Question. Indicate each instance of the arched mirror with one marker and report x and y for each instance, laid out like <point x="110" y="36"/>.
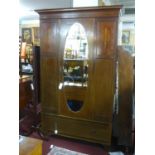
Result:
<point x="75" y="69"/>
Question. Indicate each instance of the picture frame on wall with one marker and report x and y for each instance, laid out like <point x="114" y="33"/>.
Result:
<point x="36" y="36"/>
<point x="27" y="35"/>
<point x="125" y="37"/>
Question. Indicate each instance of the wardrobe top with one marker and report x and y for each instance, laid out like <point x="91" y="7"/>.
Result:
<point x="80" y="9"/>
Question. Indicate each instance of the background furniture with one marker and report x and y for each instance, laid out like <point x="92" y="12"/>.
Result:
<point x="25" y="93"/>
<point x="36" y="74"/>
<point x="79" y="111"/>
<point x="123" y="121"/>
<point x="30" y="146"/>
<point x="25" y="59"/>
<point x="29" y="97"/>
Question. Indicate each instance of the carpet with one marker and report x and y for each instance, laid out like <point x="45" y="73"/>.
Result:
<point x="62" y="151"/>
<point x="116" y="153"/>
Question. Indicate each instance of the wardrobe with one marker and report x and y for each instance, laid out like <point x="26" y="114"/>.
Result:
<point x="78" y="71"/>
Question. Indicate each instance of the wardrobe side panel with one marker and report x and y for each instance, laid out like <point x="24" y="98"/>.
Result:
<point x="49" y="65"/>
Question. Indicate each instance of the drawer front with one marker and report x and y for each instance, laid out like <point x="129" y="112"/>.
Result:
<point x="80" y="129"/>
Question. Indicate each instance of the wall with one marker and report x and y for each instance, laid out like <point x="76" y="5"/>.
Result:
<point x="127" y="30"/>
<point x="86" y="3"/>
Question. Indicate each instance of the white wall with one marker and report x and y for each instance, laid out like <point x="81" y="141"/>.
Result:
<point x="85" y="3"/>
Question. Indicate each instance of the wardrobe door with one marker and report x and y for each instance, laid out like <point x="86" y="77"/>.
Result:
<point x="49" y="65"/>
<point x="103" y="89"/>
<point x="104" y="69"/>
<point x="77" y="92"/>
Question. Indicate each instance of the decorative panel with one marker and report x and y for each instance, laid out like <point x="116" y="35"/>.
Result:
<point x="106" y="38"/>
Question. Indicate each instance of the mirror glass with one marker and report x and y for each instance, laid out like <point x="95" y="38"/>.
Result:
<point x="75" y="69"/>
<point x="75" y="105"/>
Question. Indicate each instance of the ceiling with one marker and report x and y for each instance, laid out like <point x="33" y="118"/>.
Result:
<point x="27" y="7"/>
<point x="43" y="4"/>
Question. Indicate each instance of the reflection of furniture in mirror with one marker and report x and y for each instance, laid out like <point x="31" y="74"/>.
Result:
<point x="75" y="72"/>
<point x="78" y="71"/>
<point x="75" y="57"/>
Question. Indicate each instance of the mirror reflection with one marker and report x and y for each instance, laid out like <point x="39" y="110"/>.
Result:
<point x="75" y="69"/>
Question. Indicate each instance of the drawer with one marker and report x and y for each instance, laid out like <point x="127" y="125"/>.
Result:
<point x="81" y="129"/>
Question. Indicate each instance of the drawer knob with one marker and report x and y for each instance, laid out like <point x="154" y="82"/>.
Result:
<point x="56" y="131"/>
